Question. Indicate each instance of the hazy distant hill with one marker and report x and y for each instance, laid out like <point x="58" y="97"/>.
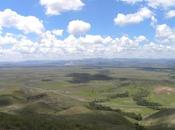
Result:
<point x="141" y="63"/>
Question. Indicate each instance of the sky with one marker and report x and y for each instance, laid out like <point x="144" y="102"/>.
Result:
<point x="80" y="29"/>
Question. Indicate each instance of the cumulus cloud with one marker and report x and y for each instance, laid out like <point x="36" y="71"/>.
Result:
<point x="141" y="15"/>
<point x="51" y="47"/>
<point x="58" y="32"/>
<point x="56" y="7"/>
<point x="165" y="34"/>
<point x="170" y="14"/>
<point x="78" y="27"/>
<point x="154" y="21"/>
<point x="8" y="39"/>
<point x="153" y="3"/>
<point x="161" y="3"/>
<point x="141" y="39"/>
<point x="27" y="24"/>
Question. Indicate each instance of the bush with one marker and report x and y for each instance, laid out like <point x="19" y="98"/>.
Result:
<point x="139" y="98"/>
<point x="5" y="101"/>
<point x="96" y="106"/>
<point x="120" y="95"/>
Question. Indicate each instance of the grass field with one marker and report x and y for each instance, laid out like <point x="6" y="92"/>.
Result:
<point x="78" y="97"/>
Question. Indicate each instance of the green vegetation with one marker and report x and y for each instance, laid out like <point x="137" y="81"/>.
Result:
<point x="140" y="96"/>
<point x="83" y="98"/>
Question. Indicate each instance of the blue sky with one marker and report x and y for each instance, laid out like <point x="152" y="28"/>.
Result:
<point x="100" y="13"/>
<point x="77" y="29"/>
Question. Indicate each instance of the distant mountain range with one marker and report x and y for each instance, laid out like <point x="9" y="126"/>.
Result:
<point x="133" y="63"/>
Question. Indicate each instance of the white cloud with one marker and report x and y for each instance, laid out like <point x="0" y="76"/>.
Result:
<point x="56" y="7"/>
<point x="91" y="39"/>
<point x="153" y="21"/>
<point x="78" y="27"/>
<point x="141" y="15"/>
<point x="131" y="1"/>
<point x="170" y="14"/>
<point x="58" y="32"/>
<point x="88" y="46"/>
<point x="27" y="24"/>
<point x="161" y="3"/>
<point x="25" y="46"/>
<point x="165" y="34"/>
<point x="7" y="39"/>
<point x="141" y="39"/>
<point x="51" y="47"/>
<point x="153" y="3"/>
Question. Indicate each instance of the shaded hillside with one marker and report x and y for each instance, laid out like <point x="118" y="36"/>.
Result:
<point x="162" y="120"/>
<point x="97" y="120"/>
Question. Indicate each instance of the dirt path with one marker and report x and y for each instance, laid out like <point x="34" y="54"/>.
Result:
<point x="164" y="90"/>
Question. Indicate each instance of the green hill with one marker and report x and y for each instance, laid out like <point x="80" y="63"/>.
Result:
<point x="162" y="120"/>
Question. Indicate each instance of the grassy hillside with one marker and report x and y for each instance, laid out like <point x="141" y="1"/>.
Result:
<point x="164" y="119"/>
<point x="87" y="98"/>
<point x="97" y="120"/>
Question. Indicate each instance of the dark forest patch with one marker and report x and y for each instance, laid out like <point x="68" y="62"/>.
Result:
<point x="86" y="77"/>
<point x="46" y="80"/>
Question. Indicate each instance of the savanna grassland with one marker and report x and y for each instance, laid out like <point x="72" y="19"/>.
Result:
<point x="87" y="98"/>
